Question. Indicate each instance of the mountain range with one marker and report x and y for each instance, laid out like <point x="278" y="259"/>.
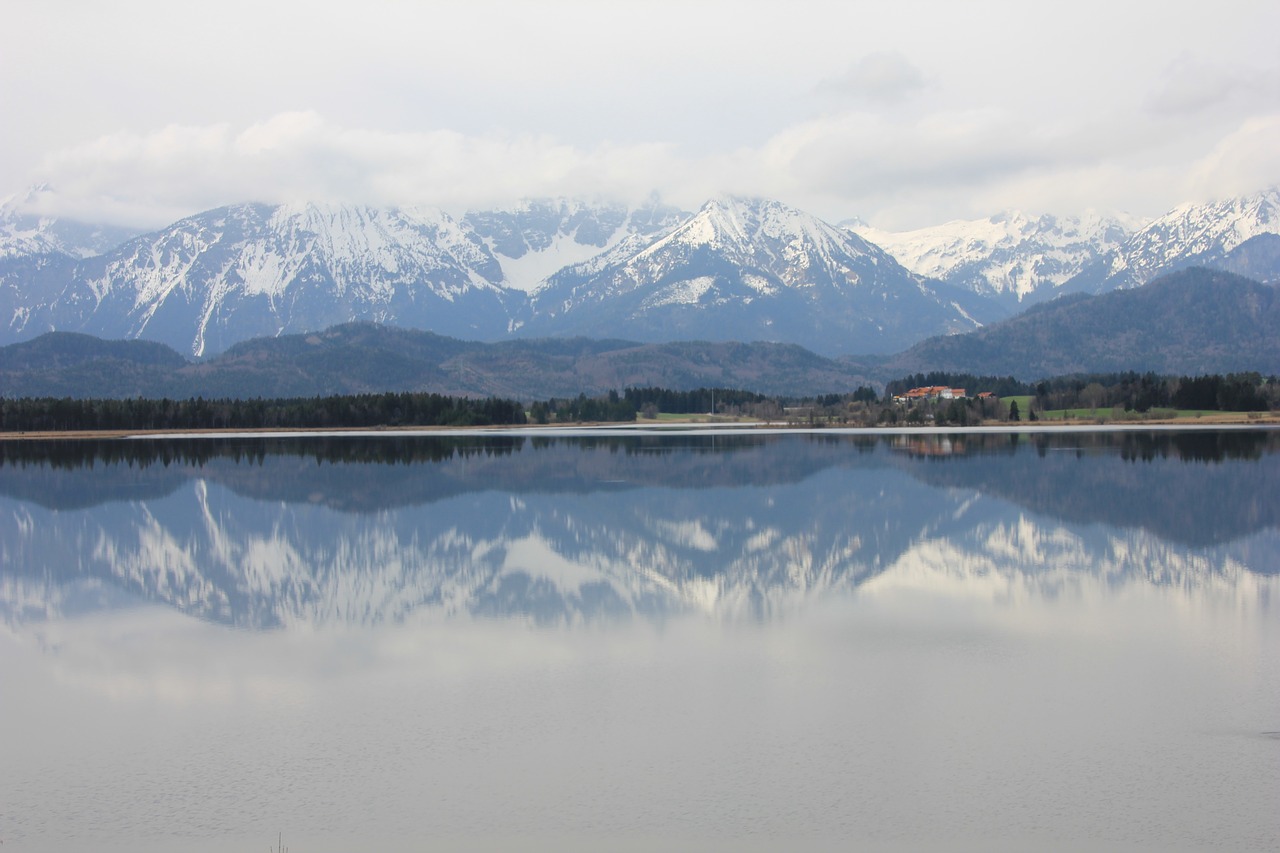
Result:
<point x="738" y="269"/>
<point x="734" y="270"/>
<point x="1191" y="322"/>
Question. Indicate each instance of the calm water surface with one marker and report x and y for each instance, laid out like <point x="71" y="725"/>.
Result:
<point x="679" y="642"/>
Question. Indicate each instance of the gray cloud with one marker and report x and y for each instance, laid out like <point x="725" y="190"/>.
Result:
<point x="877" y="77"/>
<point x="1190" y="85"/>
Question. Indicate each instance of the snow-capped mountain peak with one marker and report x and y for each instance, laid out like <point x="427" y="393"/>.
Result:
<point x="250" y="270"/>
<point x="777" y="272"/>
<point x="1227" y="223"/>
<point x="1010" y="255"/>
<point x="1239" y="235"/>
<point x="1194" y="230"/>
<point x="770" y="237"/>
<point x="357" y="241"/>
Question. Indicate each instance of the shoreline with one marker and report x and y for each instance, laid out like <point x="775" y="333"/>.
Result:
<point x="691" y="426"/>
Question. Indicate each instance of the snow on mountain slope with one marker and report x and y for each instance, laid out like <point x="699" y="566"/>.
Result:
<point x="540" y="237"/>
<point x="752" y="269"/>
<point x="1009" y="255"/>
<point x="1215" y="235"/>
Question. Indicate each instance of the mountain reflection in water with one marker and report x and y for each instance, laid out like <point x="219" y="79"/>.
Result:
<point x="268" y="532"/>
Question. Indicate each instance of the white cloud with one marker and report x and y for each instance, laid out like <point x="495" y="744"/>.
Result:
<point x="835" y="161"/>
<point x="153" y="178"/>
<point x="1243" y="162"/>
<point x="897" y="170"/>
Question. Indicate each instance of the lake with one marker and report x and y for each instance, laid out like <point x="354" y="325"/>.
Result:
<point x="679" y="641"/>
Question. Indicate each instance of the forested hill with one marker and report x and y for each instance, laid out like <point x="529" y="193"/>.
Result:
<point x="1192" y="322"/>
<point x="360" y="358"/>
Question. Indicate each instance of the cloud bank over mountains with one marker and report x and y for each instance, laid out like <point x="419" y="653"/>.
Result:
<point x="904" y="116"/>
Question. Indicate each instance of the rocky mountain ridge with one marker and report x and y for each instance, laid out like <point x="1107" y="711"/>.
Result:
<point x="1011" y="256"/>
<point x="1240" y="235"/>
<point x="752" y="269"/>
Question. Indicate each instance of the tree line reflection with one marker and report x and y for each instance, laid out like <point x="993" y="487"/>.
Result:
<point x="1194" y="446"/>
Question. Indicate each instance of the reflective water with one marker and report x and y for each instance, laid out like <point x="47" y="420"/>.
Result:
<point x="811" y="641"/>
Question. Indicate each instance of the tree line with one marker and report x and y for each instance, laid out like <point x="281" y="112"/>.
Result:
<point x="335" y="412"/>
<point x="90" y="452"/>
<point x="611" y="408"/>
<point x="1134" y="392"/>
<point x="1130" y="392"/>
<point x="701" y="400"/>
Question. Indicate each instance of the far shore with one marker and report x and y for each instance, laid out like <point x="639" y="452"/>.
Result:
<point x="698" y="423"/>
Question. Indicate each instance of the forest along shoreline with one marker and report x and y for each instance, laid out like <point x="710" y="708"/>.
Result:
<point x="1205" y="422"/>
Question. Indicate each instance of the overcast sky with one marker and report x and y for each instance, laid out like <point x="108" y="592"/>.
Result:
<point x="902" y="113"/>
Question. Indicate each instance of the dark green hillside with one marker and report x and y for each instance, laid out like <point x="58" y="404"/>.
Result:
<point x="557" y="368"/>
<point x="68" y="349"/>
<point x="1191" y="322"/>
<point x="354" y="358"/>
<point x="67" y="364"/>
<point x="360" y="358"/>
